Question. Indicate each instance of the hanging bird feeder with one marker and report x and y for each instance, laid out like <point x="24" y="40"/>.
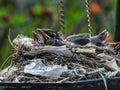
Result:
<point x="49" y="62"/>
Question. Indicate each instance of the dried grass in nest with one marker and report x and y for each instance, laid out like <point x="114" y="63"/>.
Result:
<point x="86" y="60"/>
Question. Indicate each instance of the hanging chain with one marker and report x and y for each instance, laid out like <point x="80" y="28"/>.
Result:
<point x="61" y="16"/>
<point x="88" y="16"/>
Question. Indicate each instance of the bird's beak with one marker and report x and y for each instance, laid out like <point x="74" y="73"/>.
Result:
<point x="102" y="36"/>
<point x="40" y="31"/>
<point x="35" y="36"/>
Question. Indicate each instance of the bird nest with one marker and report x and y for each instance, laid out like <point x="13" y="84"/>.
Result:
<point x="48" y="58"/>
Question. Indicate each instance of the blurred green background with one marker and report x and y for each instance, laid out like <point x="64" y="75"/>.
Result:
<point x="24" y="16"/>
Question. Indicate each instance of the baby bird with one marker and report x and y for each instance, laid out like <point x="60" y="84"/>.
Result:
<point x="50" y="37"/>
<point x="80" y="39"/>
<point x="87" y="40"/>
<point x="99" y="39"/>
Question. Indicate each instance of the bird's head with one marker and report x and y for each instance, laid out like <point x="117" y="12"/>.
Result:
<point x="102" y="36"/>
<point x="46" y="34"/>
<point x="49" y="34"/>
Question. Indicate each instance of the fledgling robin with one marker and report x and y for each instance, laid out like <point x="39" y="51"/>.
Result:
<point x="49" y="33"/>
<point x="87" y="40"/>
<point x="50" y="37"/>
<point x="81" y="39"/>
<point x="99" y="39"/>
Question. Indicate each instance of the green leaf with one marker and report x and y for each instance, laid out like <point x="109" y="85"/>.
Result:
<point x="17" y="19"/>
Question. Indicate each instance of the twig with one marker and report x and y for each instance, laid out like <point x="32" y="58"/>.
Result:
<point x="1" y="67"/>
<point x="65" y="79"/>
<point x="10" y="39"/>
<point x="104" y="80"/>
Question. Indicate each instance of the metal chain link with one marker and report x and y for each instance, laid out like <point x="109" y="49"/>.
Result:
<point x="61" y="16"/>
<point x="88" y="16"/>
